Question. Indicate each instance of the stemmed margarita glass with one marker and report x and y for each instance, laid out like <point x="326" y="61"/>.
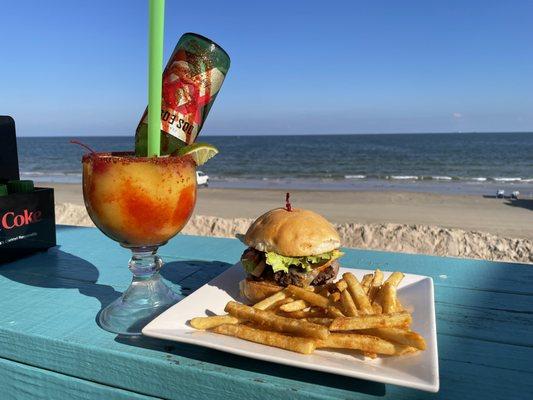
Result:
<point x="140" y="202"/>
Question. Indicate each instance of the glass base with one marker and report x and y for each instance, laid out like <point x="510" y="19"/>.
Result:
<point x="146" y="298"/>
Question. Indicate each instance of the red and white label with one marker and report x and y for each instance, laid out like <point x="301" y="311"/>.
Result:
<point x="10" y="219"/>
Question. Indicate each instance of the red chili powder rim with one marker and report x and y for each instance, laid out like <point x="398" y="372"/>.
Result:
<point x="130" y="157"/>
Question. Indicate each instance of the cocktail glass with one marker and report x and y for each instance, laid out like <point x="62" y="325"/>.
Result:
<point x="140" y="202"/>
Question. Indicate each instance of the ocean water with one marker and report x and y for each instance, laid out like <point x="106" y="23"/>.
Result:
<point x="458" y="163"/>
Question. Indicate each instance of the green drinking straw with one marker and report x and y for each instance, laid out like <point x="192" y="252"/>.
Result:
<point x="155" y="61"/>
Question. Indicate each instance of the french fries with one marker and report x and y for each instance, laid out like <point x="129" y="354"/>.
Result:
<point x="402" y="350"/>
<point x="395" y="278"/>
<point x="203" y="323"/>
<point x="366" y="282"/>
<point x="313" y="312"/>
<point x="387" y="294"/>
<point x="377" y="280"/>
<point x="335" y="297"/>
<point x="365" y="316"/>
<point x="273" y="322"/>
<point x="270" y="301"/>
<point x="307" y="296"/>
<point x="297" y="344"/>
<point x="277" y="305"/>
<point x="401" y="336"/>
<point x="368" y="343"/>
<point x="388" y="298"/>
<point x="377" y="308"/>
<point x="348" y="305"/>
<point x="321" y="321"/>
<point x="358" y="294"/>
<point x="324" y="291"/>
<point x="295" y="305"/>
<point x="399" y="306"/>
<point x="370" y="321"/>
<point x="341" y="285"/>
<point x="334" y="312"/>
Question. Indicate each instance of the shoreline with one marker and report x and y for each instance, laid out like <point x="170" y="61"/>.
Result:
<point x="487" y="187"/>
<point x="480" y="188"/>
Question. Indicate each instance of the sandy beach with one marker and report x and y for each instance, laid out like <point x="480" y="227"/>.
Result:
<point x="449" y="225"/>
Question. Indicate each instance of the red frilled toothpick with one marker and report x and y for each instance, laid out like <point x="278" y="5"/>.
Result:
<point x="287" y="202"/>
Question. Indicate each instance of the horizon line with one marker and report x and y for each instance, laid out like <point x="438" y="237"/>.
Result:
<point x="294" y="134"/>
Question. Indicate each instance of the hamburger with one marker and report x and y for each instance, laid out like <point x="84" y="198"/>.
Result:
<point x="288" y="247"/>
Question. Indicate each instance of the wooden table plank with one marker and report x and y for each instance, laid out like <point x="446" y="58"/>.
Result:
<point x="485" y="324"/>
<point x="462" y="380"/>
<point x="89" y="270"/>
<point x="21" y="382"/>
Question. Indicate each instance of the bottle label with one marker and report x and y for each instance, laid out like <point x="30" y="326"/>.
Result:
<point x="186" y="97"/>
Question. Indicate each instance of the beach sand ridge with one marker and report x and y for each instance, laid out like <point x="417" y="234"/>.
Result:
<point x="406" y="238"/>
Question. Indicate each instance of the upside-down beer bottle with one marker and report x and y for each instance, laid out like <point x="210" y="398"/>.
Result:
<point x="191" y="81"/>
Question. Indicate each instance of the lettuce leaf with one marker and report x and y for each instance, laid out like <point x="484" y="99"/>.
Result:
<point x="282" y="263"/>
<point x="248" y="265"/>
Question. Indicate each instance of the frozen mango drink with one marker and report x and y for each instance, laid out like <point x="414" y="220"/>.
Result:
<point x="139" y="201"/>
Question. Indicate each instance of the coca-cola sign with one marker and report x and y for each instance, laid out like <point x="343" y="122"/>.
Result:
<point x="27" y="218"/>
<point x="12" y="219"/>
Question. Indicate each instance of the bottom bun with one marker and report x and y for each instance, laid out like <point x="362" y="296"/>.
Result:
<point x="256" y="291"/>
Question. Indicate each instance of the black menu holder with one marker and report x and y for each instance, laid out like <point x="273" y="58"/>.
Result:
<point x="27" y="220"/>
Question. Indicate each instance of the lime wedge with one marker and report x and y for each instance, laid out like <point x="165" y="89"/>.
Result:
<point x="200" y="152"/>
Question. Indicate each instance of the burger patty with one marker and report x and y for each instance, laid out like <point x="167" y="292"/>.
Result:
<point x="295" y="276"/>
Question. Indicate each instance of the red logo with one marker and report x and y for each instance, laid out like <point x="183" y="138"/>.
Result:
<point x="11" y="220"/>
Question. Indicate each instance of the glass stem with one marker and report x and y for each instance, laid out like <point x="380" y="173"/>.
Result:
<point x="144" y="263"/>
<point x="146" y="297"/>
<point x="147" y="288"/>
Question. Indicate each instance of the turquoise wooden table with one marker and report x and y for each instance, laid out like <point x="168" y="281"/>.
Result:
<point x="51" y="346"/>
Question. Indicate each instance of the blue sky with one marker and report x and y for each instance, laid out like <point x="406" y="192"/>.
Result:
<point x="79" y="68"/>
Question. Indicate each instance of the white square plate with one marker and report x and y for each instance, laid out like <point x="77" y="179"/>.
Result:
<point x="419" y="370"/>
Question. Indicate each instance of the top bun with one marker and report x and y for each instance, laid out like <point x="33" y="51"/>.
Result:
<point x="293" y="233"/>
